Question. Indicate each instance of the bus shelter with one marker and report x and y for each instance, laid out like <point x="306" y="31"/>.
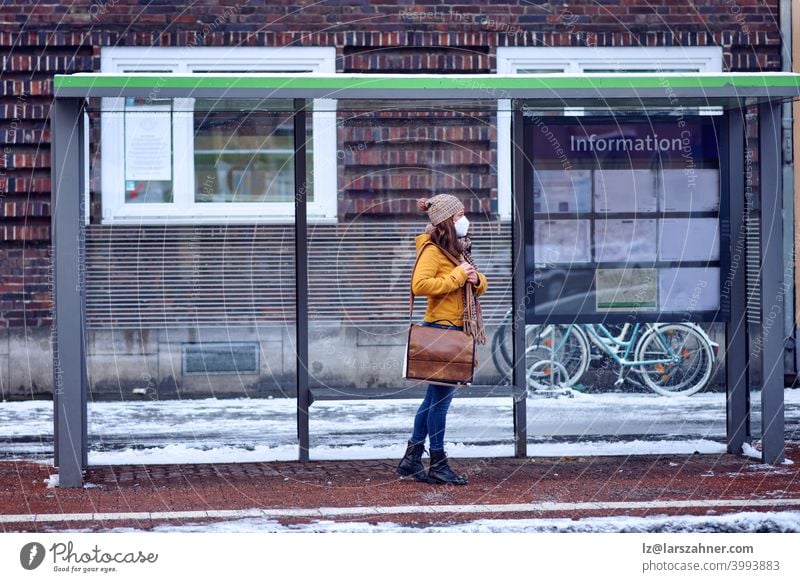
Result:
<point x="526" y="96"/>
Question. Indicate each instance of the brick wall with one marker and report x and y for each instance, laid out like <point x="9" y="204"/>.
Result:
<point x="40" y="38"/>
<point x="390" y="161"/>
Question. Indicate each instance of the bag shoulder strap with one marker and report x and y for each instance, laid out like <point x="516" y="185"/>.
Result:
<point x="419" y="254"/>
<point x="454" y="260"/>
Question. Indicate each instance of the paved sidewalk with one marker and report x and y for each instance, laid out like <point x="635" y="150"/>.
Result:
<point x="540" y="487"/>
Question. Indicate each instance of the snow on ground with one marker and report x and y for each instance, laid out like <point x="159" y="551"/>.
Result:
<point x="242" y="429"/>
<point x="173" y="454"/>
<point x="749" y="450"/>
<point x="743" y="522"/>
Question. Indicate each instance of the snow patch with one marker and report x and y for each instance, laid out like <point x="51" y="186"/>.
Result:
<point x="262" y="429"/>
<point x="742" y="522"/>
<point x="749" y="450"/>
<point x="184" y="453"/>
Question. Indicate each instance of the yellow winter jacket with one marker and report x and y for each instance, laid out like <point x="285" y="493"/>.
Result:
<point x="440" y="280"/>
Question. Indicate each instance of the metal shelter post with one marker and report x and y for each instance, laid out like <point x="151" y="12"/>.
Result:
<point x="301" y="274"/>
<point x="735" y="287"/>
<point x="771" y="340"/>
<point x="70" y="386"/>
<point x="519" y="380"/>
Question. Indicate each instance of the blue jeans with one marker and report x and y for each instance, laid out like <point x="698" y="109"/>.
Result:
<point x="431" y="416"/>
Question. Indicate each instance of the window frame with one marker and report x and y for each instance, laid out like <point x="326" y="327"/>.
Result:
<point x="576" y="60"/>
<point x="184" y="209"/>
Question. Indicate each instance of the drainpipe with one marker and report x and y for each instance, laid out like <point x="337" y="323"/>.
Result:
<point x="789" y="45"/>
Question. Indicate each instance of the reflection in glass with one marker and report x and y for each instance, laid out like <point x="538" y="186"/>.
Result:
<point x="689" y="190"/>
<point x="562" y="191"/>
<point x="562" y="241"/>
<point x="689" y="239"/>
<point x="243" y="155"/>
<point x="625" y="240"/>
<point x="689" y="289"/>
<point x="627" y="190"/>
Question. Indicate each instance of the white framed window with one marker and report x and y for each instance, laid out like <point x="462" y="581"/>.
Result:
<point x="529" y="60"/>
<point x="194" y="160"/>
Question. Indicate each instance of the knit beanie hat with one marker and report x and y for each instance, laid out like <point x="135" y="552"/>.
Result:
<point x="440" y="207"/>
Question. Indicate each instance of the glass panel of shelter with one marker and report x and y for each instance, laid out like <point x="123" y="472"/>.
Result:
<point x="623" y="231"/>
<point x="390" y="154"/>
<point x="377" y="225"/>
<point x="190" y="326"/>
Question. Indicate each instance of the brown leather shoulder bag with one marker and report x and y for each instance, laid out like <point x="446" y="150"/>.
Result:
<point x="438" y="355"/>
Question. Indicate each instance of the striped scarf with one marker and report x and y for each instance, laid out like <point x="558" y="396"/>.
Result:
<point x="473" y="317"/>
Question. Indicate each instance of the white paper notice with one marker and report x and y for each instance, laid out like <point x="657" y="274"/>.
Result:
<point x="562" y="191"/>
<point x="625" y="191"/>
<point x="148" y="142"/>
<point x="561" y="241"/>
<point x="689" y="239"/>
<point x="691" y="190"/>
<point x="626" y="240"/>
<point x="690" y="289"/>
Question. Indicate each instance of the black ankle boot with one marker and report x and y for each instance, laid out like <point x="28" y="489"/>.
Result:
<point x="440" y="471"/>
<point x="411" y="463"/>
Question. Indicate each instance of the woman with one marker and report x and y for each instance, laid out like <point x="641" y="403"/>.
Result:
<point x="442" y="281"/>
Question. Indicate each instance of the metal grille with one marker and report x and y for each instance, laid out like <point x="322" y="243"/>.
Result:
<point x="207" y="275"/>
<point x="220" y="358"/>
<point x="753" y="255"/>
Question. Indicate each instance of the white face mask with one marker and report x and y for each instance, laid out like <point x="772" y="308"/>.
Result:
<point x="462" y="226"/>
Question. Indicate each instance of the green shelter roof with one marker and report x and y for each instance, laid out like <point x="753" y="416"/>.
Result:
<point x="556" y="88"/>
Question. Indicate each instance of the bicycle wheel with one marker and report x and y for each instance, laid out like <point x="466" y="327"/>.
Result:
<point x="556" y="355"/>
<point x="692" y="378"/>
<point x="690" y="368"/>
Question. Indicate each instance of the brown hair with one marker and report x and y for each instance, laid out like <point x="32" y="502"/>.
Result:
<point x="444" y="235"/>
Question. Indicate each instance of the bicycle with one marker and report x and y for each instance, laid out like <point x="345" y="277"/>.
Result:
<point x="671" y="359"/>
<point x="501" y="355"/>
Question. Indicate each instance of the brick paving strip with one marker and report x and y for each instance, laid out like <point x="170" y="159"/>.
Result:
<point x="292" y="492"/>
